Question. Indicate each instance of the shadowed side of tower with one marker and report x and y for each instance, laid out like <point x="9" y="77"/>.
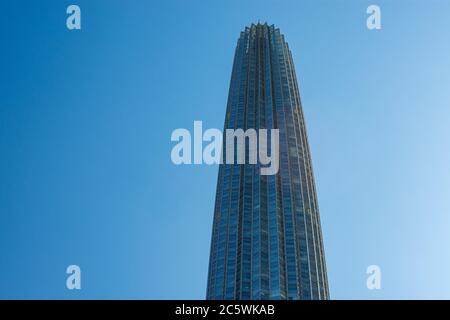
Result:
<point x="267" y="239"/>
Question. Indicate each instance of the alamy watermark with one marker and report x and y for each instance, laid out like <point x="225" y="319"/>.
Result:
<point x="374" y="279"/>
<point x="373" y="21"/>
<point x="73" y="281"/>
<point x="73" y="22"/>
<point x="235" y="147"/>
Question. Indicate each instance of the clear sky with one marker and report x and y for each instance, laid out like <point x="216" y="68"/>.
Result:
<point x="86" y="117"/>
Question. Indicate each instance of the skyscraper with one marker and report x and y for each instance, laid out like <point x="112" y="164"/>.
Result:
<point x="266" y="238"/>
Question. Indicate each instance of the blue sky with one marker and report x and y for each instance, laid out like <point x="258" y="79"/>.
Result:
<point x="86" y="118"/>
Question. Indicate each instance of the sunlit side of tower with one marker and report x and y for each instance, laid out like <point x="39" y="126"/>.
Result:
<point x="267" y="239"/>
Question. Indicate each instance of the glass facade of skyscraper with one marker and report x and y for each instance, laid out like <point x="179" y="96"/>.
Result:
<point x="267" y="239"/>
